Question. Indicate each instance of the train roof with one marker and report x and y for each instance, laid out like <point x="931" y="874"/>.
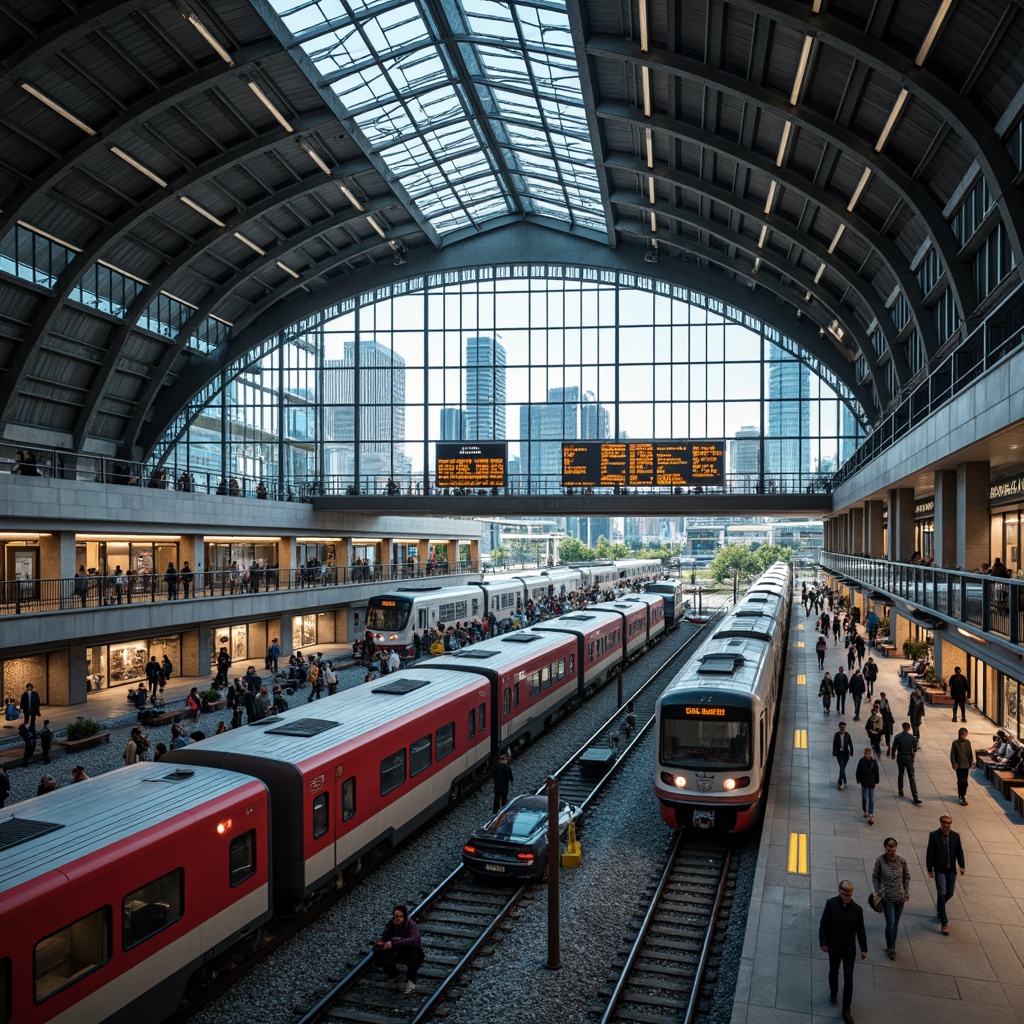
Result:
<point x="500" y="651"/>
<point x="49" y="831"/>
<point x="727" y="664"/>
<point x="306" y="731"/>
<point x="585" y="621"/>
<point x="428" y="591"/>
<point x="620" y="604"/>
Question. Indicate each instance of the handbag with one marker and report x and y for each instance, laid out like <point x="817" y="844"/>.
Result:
<point x="875" y="902"/>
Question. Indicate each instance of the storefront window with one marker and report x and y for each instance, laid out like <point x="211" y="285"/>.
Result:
<point x="304" y="631"/>
<point x="1011" y="706"/>
<point x="126" y="662"/>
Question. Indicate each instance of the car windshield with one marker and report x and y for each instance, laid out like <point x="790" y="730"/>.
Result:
<point x="520" y="820"/>
<point x="696" y="743"/>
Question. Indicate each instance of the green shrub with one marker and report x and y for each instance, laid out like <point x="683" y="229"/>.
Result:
<point x="914" y="649"/>
<point x="211" y="695"/>
<point x="83" y="728"/>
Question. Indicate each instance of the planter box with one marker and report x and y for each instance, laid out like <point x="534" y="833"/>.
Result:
<point x="214" y="705"/>
<point x="87" y="742"/>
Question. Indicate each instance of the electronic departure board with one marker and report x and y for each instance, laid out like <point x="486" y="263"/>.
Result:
<point x="465" y="464"/>
<point x="643" y="463"/>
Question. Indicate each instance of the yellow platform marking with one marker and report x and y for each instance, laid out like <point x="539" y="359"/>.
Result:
<point x="800" y="626"/>
<point x="801" y="679"/>
<point x="797" y="861"/>
<point x="800" y="739"/>
<point x="799" y="643"/>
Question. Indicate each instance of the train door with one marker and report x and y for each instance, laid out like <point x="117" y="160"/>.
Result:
<point x="344" y="810"/>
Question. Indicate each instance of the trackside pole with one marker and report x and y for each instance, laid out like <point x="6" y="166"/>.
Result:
<point x="554" y="962"/>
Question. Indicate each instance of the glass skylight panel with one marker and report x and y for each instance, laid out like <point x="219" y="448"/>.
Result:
<point x="393" y="69"/>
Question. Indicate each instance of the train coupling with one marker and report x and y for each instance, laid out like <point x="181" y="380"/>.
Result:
<point x="704" y="819"/>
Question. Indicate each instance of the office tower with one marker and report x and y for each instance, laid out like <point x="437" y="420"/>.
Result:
<point x="849" y="436"/>
<point x="454" y="425"/>
<point x="788" y="447"/>
<point x="543" y="428"/>
<point x="745" y="460"/>
<point x="595" y="420"/>
<point x="380" y="398"/>
<point x="485" y="389"/>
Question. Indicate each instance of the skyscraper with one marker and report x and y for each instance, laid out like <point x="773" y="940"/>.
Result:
<point x="485" y="389"/>
<point x="454" y="425"/>
<point x="542" y="429"/>
<point x="595" y="420"/>
<point x="745" y="459"/>
<point x="380" y="397"/>
<point x="787" y="448"/>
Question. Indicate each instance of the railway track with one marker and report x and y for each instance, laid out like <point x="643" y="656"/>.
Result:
<point x="458" y="919"/>
<point x="663" y="972"/>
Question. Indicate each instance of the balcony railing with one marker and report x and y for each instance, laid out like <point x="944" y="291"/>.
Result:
<point x="38" y="595"/>
<point x="989" y="604"/>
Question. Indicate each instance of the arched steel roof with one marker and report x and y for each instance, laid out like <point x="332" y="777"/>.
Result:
<point x="179" y="180"/>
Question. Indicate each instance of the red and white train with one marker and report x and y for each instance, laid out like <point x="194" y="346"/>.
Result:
<point x="120" y="889"/>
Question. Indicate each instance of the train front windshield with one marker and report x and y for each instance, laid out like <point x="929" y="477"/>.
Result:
<point x="388" y="614"/>
<point x="711" y="738"/>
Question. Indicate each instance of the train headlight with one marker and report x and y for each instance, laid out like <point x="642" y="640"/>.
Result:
<point x="394" y="636"/>
<point x="731" y="784"/>
<point x="224" y="827"/>
<point x="679" y="781"/>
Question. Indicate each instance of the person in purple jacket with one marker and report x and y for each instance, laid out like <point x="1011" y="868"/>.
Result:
<point x="400" y="942"/>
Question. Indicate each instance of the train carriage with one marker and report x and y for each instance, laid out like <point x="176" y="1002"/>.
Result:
<point x="365" y="767"/>
<point x="656" y="624"/>
<point x="532" y="674"/>
<point x="599" y="643"/>
<point x="715" y="721"/>
<point x="635" y="630"/>
<point x="394" y="617"/>
<point x="117" y="889"/>
<point x="673" y="593"/>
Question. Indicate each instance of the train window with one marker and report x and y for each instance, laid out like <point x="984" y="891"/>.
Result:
<point x="5" y="991"/>
<point x="444" y="740"/>
<point x="242" y="857"/>
<point x="481" y="718"/>
<point x="66" y="956"/>
<point x="321" y="814"/>
<point x="348" y="799"/>
<point x="572" y="662"/>
<point x="419" y="755"/>
<point x="508" y="700"/>
<point x="472" y="723"/>
<point x="392" y="772"/>
<point x="152" y="908"/>
<point x="535" y="680"/>
<point x="515" y="695"/>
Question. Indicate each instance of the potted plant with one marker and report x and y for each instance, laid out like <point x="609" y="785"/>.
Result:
<point x="211" y="700"/>
<point x="914" y="649"/>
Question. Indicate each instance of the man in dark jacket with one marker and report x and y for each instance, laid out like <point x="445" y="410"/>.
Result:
<point x="904" y="747"/>
<point x="961" y="757"/>
<point x="840" y="930"/>
<point x="945" y="852"/>
<point x="959" y="690"/>
<point x="841" y="685"/>
<point x="502" y="774"/>
<point x="857" y="690"/>
<point x="30" y="706"/>
<point x="842" y="751"/>
<point x="399" y="942"/>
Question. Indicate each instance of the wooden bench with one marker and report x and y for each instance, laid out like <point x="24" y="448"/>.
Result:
<point x="152" y="721"/>
<point x="936" y="695"/>
<point x="73" y="746"/>
<point x="12" y="755"/>
<point x="1005" y="782"/>
<point x="885" y="648"/>
<point x="1018" y="800"/>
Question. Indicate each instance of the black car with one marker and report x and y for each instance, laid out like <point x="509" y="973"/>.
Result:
<point x="514" y="843"/>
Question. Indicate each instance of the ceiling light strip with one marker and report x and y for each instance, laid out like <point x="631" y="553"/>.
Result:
<point x="288" y="270"/>
<point x="46" y="234"/>
<point x="764" y="236"/>
<point x="933" y="31"/>
<point x="859" y="189"/>
<point x="645" y="40"/>
<point x="650" y="190"/>
<point x="781" y="155"/>
<point x="893" y="115"/>
<point x="771" y="196"/>
<point x="351" y="198"/>
<point x="193" y="20"/>
<point x="376" y="227"/>
<point x="801" y="70"/>
<point x="314" y="156"/>
<point x="124" y="273"/>
<point x="252" y="245"/>
<point x="817" y="276"/>
<point x="57" y="108"/>
<point x="177" y="298"/>
<point x="141" y="168"/>
<point x="650" y="146"/>
<point x="278" y="116"/>
<point x="202" y="211"/>
<point x="835" y="240"/>
<point x="645" y="75"/>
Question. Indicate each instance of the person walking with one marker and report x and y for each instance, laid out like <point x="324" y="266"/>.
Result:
<point x="870" y="673"/>
<point x="904" y="747"/>
<point x="875" y="727"/>
<point x="171" y="579"/>
<point x="961" y="757"/>
<point x="959" y="690"/>
<point x="887" y="718"/>
<point x="820" y="648"/>
<point x="945" y="852"/>
<point x="502" y="775"/>
<point x="399" y="943"/>
<point x="826" y="693"/>
<point x="857" y="690"/>
<point x="840" y="930"/>
<point x="842" y="751"/>
<point x="890" y="880"/>
<point x="867" y="779"/>
<point x="841" y="684"/>
<point x="915" y="712"/>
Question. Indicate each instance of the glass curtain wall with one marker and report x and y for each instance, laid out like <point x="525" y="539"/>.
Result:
<point x="354" y="400"/>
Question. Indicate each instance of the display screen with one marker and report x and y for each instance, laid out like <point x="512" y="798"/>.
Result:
<point x="464" y="464"/>
<point x="643" y="463"/>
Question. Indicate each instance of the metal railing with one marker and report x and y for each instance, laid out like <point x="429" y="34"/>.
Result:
<point x="93" y="591"/>
<point x="991" y="604"/>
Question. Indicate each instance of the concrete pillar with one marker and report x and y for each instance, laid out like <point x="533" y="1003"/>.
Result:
<point x="57" y="556"/>
<point x="453" y="554"/>
<point x="972" y="519"/>
<point x="195" y="651"/>
<point x="946" y="517"/>
<point x="856" y="530"/>
<point x="66" y="677"/>
<point x="901" y="524"/>
<point x="286" y="563"/>
<point x="342" y="559"/>
<point x="387" y="556"/>
<point x="899" y="630"/>
<point x="874" y="536"/>
<point x="284" y="635"/>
